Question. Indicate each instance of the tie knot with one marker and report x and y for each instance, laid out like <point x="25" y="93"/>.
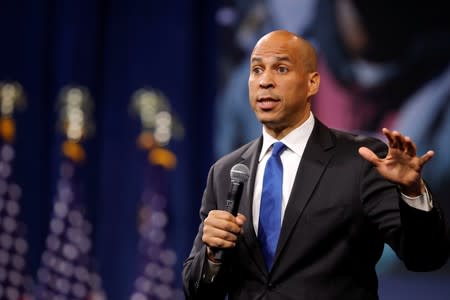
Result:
<point x="277" y="148"/>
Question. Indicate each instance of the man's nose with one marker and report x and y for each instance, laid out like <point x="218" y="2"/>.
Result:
<point x="266" y="80"/>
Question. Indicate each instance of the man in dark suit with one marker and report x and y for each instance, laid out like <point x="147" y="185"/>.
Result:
<point x="341" y="198"/>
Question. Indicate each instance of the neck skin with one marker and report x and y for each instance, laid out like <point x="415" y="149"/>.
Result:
<point x="280" y="131"/>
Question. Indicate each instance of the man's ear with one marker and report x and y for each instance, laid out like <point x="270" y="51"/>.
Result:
<point x="313" y="83"/>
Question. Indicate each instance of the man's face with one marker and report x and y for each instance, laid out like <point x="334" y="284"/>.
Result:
<point x="279" y="86"/>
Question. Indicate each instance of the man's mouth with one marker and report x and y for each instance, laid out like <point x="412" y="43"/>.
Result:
<point x="267" y="103"/>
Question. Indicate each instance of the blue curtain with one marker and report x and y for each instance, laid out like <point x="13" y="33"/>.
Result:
<point x="112" y="48"/>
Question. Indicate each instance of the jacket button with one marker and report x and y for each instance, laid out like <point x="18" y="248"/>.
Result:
<point x="270" y="286"/>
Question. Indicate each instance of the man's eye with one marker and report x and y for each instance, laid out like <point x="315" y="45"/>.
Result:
<point x="282" y="69"/>
<point x="257" y="70"/>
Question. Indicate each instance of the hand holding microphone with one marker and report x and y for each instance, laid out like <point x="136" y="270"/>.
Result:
<point x="222" y="227"/>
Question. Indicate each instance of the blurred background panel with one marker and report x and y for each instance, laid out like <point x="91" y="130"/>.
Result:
<point x="382" y="64"/>
<point x="111" y="48"/>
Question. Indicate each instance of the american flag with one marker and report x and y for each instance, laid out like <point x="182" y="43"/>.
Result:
<point x="15" y="281"/>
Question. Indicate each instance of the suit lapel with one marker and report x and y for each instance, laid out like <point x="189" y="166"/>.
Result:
<point x="250" y="158"/>
<point x="316" y="156"/>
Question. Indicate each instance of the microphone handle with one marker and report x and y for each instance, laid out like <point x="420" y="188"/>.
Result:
<point x="234" y="197"/>
<point x="231" y="206"/>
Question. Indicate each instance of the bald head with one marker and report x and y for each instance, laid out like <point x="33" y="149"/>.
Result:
<point x="282" y="81"/>
<point x="283" y="38"/>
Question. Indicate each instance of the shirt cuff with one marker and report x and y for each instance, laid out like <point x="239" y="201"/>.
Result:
<point x="421" y="202"/>
<point x="211" y="270"/>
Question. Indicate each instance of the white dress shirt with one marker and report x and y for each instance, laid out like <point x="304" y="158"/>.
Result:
<point x="295" y="143"/>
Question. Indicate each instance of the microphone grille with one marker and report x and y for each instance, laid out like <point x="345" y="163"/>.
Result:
<point x="240" y="173"/>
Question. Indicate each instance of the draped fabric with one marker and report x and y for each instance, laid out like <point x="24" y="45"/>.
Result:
<point x="112" y="48"/>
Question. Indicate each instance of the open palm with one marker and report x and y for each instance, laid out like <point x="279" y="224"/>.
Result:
<point x="401" y="165"/>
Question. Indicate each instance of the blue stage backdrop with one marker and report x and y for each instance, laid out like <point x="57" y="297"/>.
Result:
<point x="195" y="53"/>
<point x="112" y="48"/>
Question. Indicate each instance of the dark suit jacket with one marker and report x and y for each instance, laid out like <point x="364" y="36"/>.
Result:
<point x="339" y="215"/>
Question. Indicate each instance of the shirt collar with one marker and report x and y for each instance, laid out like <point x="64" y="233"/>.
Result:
<point x="295" y="140"/>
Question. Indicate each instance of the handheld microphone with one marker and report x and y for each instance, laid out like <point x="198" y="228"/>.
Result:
<point x="239" y="175"/>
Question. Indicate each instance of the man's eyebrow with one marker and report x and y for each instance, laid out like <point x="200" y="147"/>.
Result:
<point x="282" y="58"/>
<point x="277" y="58"/>
<point x="256" y="59"/>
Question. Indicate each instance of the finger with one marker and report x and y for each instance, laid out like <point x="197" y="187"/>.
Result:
<point x="221" y="214"/>
<point x="396" y="140"/>
<point x="221" y="224"/>
<point x="369" y="155"/>
<point x="399" y="140"/>
<point x="213" y="232"/>
<point x="240" y="219"/>
<point x="426" y="157"/>
<point x="222" y="220"/>
<point x="388" y="134"/>
<point x="215" y="242"/>
<point x="410" y="147"/>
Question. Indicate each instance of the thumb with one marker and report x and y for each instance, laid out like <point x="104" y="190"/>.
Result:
<point x="240" y="219"/>
<point x="369" y="155"/>
<point x="426" y="157"/>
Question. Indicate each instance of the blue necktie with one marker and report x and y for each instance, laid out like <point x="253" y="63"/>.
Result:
<point x="270" y="210"/>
